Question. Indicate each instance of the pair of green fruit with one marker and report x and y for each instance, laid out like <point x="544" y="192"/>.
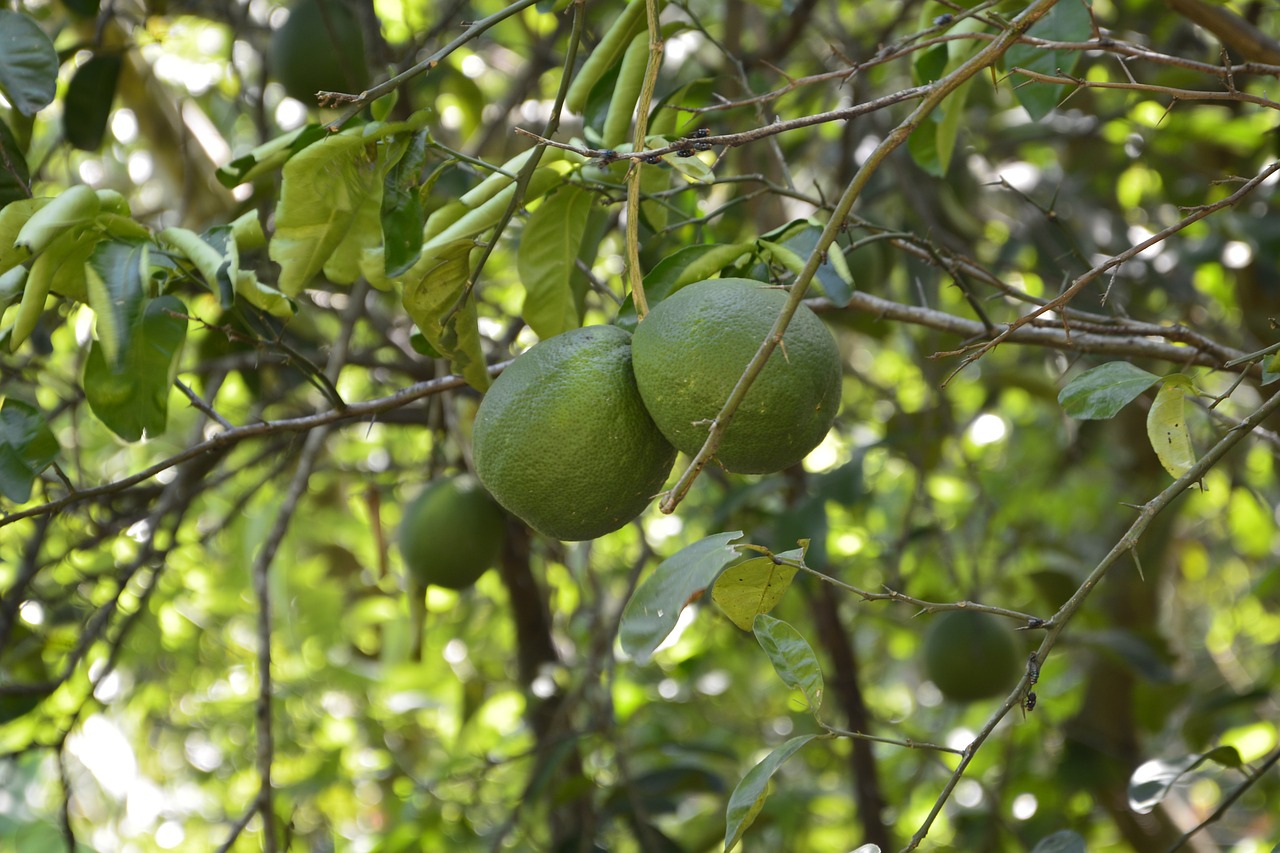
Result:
<point x="579" y="434"/>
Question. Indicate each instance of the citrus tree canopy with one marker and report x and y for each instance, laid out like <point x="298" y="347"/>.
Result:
<point x="877" y="402"/>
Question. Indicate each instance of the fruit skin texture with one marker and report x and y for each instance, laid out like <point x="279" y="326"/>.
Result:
<point x="451" y="533"/>
<point x="692" y="349"/>
<point x="563" y="441"/>
<point x="319" y="47"/>
<point x="970" y="655"/>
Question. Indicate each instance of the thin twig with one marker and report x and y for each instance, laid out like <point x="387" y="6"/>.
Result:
<point x="933" y="96"/>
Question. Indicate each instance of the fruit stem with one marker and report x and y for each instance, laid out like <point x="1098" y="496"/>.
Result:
<point x="936" y="93"/>
<point x="634" y="279"/>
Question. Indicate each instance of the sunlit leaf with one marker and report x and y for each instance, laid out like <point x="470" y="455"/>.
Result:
<point x="655" y="606"/>
<point x="270" y="155"/>
<point x="1103" y="391"/>
<point x="1167" y="426"/>
<point x="547" y="260"/>
<point x="792" y="656"/>
<point x="748" y="798"/>
<point x="1153" y="780"/>
<point x="754" y="586"/>
<point x="440" y="303"/>
<point x="27" y="447"/>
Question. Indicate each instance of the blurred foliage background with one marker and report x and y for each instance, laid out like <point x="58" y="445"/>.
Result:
<point x="503" y="717"/>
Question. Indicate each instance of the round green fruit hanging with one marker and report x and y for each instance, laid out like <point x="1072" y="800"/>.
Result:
<point x="451" y="533"/>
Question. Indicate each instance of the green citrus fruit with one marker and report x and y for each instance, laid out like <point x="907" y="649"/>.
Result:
<point x="970" y="655"/>
<point x="692" y="349"/>
<point x="320" y="47"/>
<point x="563" y="440"/>
<point x="451" y="533"/>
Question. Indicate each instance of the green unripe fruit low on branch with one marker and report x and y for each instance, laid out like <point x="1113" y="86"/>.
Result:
<point x="691" y="350"/>
<point x="451" y="533"/>
<point x="319" y="48"/>
<point x="970" y="655"/>
<point x="562" y="438"/>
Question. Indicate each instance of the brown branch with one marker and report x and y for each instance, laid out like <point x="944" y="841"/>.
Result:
<point x="231" y="437"/>
<point x="1234" y="32"/>
<point x="1113" y="262"/>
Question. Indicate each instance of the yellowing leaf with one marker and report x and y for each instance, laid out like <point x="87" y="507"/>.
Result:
<point x="1167" y="426"/>
<point x="747" y="589"/>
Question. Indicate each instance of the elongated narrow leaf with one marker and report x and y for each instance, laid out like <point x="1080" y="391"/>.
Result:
<point x="1100" y="393"/>
<point x="132" y="400"/>
<point x="655" y="606"/>
<point x="13" y="217"/>
<point x="792" y="656"/>
<point x="445" y="311"/>
<point x="214" y="266"/>
<point x="547" y="260"/>
<point x="402" y="213"/>
<point x="74" y="206"/>
<point x="748" y="798"/>
<point x="27" y="447"/>
<point x="28" y="63"/>
<point x="1167" y="426"/>
<point x="270" y="155"/>
<point x="88" y="102"/>
<point x="754" y="586"/>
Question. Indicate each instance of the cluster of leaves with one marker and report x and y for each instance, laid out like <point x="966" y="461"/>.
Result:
<point x="161" y="358"/>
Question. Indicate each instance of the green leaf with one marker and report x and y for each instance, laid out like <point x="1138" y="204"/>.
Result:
<point x="132" y="400"/>
<point x="1271" y="369"/>
<point x="1167" y="426"/>
<point x="1067" y="22"/>
<point x="402" y="213"/>
<point x="27" y="447"/>
<point x="1152" y="781"/>
<point x="13" y="217"/>
<point x="833" y="274"/>
<point x="748" y="798"/>
<point x="263" y="297"/>
<point x="1062" y="841"/>
<point x="686" y="266"/>
<point x="1103" y="391"/>
<point x="28" y="63"/>
<point x="114" y="277"/>
<point x="217" y="268"/>
<point x="364" y="235"/>
<point x="547" y="260"/>
<point x="74" y="206"/>
<point x="949" y="120"/>
<point x="754" y="586"/>
<point x="792" y="656"/>
<point x="323" y="188"/>
<point x="444" y="308"/>
<point x="15" y="176"/>
<point x="655" y="606"/>
<point x="87" y="105"/>
<point x="270" y="155"/>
